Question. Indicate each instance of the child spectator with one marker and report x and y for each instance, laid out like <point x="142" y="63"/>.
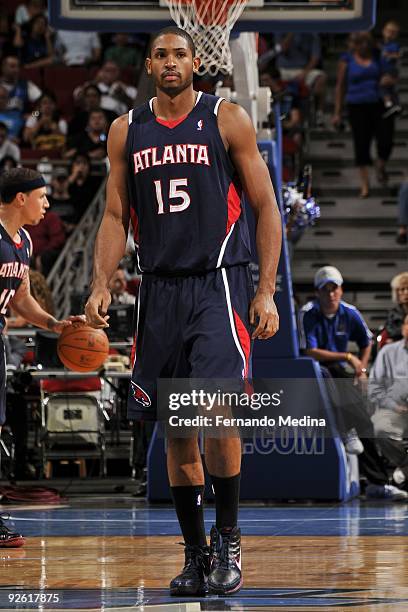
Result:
<point x="8" y="149"/>
<point x="44" y="129"/>
<point x="391" y="53"/>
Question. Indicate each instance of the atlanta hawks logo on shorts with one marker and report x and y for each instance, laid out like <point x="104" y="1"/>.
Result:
<point x="141" y="396"/>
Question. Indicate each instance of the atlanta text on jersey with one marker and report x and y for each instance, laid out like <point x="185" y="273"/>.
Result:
<point x="13" y="269"/>
<point x="171" y="154"/>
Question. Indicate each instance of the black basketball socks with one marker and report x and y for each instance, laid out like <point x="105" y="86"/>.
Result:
<point x="188" y="502"/>
<point x="226" y="491"/>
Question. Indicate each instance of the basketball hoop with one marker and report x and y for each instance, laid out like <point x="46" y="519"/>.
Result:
<point x="209" y="23"/>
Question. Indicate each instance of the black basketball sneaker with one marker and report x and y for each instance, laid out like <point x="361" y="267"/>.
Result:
<point x="193" y="578"/>
<point x="225" y="575"/>
<point x="9" y="538"/>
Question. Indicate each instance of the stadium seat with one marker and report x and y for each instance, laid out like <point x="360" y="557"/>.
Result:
<point x="62" y="80"/>
<point x="35" y="75"/>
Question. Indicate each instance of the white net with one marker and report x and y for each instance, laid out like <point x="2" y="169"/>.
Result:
<point x="209" y="23"/>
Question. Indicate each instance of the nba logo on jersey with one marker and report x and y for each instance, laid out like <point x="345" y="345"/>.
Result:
<point x="200" y="125"/>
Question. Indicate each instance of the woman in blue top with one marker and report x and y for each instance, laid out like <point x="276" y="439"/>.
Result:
<point x="361" y="75"/>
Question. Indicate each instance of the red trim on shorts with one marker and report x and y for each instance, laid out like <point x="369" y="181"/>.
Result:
<point x="133" y="352"/>
<point x="244" y="339"/>
<point x="234" y="204"/>
<point x="172" y="123"/>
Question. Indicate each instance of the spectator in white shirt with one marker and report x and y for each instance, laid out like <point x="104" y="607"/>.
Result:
<point x="78" y="48"/>
<point x="116" y="95"/>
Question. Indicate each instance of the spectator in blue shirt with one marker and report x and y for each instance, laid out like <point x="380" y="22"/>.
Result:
<point x="326" y="326"/>
<point x="299" y="56"/>
<point x="391" y="53"/>
<point x="361" y="74"/>
<point x="12" y="118"/>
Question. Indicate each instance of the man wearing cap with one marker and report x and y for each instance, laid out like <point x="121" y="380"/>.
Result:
<point x="326" y="326"/>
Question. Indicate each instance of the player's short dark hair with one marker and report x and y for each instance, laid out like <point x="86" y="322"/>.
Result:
<point x="173" y="30"/>
<point x="14" y="178"/>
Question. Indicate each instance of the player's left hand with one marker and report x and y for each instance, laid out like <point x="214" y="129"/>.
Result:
<point x="264" y="315"/>
<point x="60" y="325"/>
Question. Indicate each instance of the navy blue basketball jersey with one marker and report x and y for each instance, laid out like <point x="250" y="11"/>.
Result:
<point x="14" y="265"/>
<point x="185" y="197"/>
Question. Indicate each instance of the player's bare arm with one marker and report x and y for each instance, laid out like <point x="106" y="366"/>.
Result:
<point x="112" y="235"/>
<point x="28" y="308"/>
<point x="239" y="137"/>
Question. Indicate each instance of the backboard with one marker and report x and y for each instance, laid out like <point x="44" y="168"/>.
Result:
<point x="259" y="16"/>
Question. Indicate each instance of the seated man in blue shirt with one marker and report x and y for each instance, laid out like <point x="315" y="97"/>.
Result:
<point x="326" y="326"/>
<point x="388" y="389"/>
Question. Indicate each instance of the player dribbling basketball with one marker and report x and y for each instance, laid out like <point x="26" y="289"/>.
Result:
<point x="177" y="166"/>
<point x="23" y="201"/>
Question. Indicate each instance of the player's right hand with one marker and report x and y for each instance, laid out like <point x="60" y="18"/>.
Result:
<point x="97" y="307"/>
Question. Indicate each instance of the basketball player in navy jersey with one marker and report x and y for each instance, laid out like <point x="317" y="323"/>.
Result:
<point x="179" y="166"/>
<point x="23" y="201"/>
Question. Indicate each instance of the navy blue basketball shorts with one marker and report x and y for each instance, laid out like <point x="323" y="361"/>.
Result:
<point x="2" y="382"/>
<point x="190" y="327"/>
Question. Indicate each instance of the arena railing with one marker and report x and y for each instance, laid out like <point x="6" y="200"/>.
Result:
<point x="72" y="270"/>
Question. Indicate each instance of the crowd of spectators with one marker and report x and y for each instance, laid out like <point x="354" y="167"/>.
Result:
<point x="59" y="93"/>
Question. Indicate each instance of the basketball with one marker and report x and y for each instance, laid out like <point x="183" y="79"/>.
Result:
<point x="82" y="348"/>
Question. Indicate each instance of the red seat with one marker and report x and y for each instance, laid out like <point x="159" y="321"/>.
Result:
<point x="382" y="338"/>
<point x="33" y="74"/>
<point x="35" y="154"/>
<point x="128" y="75"/>
<point x="62" y="80"/>
<point x="73" y="385"/>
